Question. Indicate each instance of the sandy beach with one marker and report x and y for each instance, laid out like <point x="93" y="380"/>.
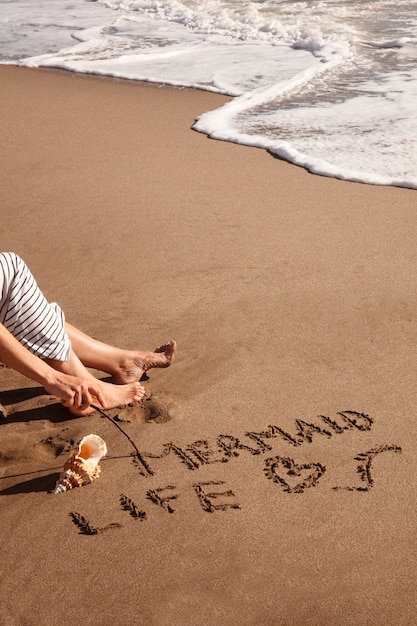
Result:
<point x="277" y="477"/>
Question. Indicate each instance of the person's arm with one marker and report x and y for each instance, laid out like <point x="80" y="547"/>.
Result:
<point x="72" y="391"/>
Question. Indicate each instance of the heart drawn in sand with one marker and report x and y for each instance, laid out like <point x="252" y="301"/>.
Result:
<point x="294" y="477"/>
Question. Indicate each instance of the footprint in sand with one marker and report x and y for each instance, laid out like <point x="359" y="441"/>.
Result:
<point x="56" y="444"/>
<point x="157" y="409"/>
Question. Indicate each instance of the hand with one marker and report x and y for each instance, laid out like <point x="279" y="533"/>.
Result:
<point x="75" y="393"/>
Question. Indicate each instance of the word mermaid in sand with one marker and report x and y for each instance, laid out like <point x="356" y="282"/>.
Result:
<point x="36" y="341"/>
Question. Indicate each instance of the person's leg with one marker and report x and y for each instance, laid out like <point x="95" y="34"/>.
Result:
<point x="40" y="327"/>
<point x="114" y="395"/>
<point x="125" y="366"/>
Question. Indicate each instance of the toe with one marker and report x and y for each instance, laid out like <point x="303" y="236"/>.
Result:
<point x="140" y="392"/>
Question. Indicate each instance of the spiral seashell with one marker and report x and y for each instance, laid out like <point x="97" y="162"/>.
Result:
<point x="82" y="466"/>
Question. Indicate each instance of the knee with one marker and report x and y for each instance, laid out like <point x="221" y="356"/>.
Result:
<point x="14" y="259"/>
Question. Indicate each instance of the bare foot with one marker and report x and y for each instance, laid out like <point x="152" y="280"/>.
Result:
<point x="116" y="396"/>
<point x="137" y="363"/>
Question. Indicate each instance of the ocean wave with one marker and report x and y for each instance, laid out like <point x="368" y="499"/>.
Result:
<point x="329" y="85"/>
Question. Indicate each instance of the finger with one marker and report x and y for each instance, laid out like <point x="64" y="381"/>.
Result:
<point x="68" y="400"/>
<point x="98" y="395"/>
<point x="85" y="400"/>
<point x="77" y="400"/>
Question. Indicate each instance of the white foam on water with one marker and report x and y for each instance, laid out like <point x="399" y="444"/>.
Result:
<point x="329" y="85"/>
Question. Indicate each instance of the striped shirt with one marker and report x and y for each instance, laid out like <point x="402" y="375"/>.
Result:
<point x="37" y="324"/>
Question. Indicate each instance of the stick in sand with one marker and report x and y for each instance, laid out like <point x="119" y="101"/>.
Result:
<point x="139" y="456"/>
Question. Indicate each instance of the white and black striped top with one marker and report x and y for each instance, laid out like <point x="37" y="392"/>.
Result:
<point x="24" y="311"/>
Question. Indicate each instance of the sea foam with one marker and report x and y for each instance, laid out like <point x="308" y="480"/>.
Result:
<point x="328" y="85"/>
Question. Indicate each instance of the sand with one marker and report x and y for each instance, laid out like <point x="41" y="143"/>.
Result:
<point x="284" y="491"/>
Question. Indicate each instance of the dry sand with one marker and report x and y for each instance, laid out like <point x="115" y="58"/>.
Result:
<point x="291" y="297"/>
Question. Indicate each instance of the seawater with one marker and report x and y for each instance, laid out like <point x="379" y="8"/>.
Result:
<point x="330" y="85"/>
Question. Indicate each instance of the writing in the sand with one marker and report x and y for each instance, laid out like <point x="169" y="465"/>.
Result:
<point x="226" y="447"/>
<point x="292" y="475"/>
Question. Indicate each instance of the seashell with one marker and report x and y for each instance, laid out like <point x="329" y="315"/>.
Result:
<point x="82" y="466"/>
